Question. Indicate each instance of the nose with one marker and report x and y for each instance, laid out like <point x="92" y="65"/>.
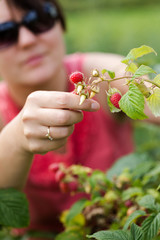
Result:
<point x="26" y="38"/>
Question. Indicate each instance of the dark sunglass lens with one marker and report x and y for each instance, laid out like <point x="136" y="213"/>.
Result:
<point x="42" y="22"/>
<point x="8" y="34"/>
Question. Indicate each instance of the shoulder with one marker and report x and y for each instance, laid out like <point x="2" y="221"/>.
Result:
<point x="102" y="60"/>
<point x="74" y="62"/>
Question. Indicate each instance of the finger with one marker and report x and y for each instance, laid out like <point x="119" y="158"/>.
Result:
<point x="63" y="100"/>
<point x="58" y="117"/>
<point x="43" y="146"/>
<point x="40" y="132"/>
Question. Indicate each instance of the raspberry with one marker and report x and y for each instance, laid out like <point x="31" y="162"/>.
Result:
<point x="76" y="77"/>
<point x="115" y="98"/>
<point x="59" y="175"/>
<point x="64" y="187"/>
<point x="73" y="186"/>
<point x="54" y="167"/>
<point x="128" y="203"/>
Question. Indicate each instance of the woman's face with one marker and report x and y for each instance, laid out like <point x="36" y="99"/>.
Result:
<point x="34" y="59"/>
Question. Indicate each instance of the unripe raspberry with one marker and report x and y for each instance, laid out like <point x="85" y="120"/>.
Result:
<point x="59" y="175"/>
<point x="82" y="99"/>
<point x="131" y="210"/>
<point x="95" y="73"/>
<point x="76" y="77"/>
<point x="115" y="98"/>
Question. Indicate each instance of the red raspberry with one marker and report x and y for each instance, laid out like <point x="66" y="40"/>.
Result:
<point x="64" y="187"/>
<point x="54" y="167"/>
<point x="76" y="77"/>
<point x="73" y="186"/>
<point x="128" y="203"/>
<point x="115" y="98"/>
<point x="59" y="175"/>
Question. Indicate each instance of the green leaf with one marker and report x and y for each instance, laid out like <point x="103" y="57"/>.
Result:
<point x="136" y="232"/>
<point x="131" y="192"/>
<point x="151" y="226"/>
<point x="157" y="79"/>
<point x="154" y="102"/>
<point x="133" y="217"/>
<point x="110" y="73"/>
<point x="14" y="210"/>
<point x="132" y="103"/>
<point x="138" y="52"/>
<point x="69" y="235"/>
<point x="132" y="67"/>
<point x="111" y="235"/>
<point x="76" y="209"/>
<point x="148" y="202"/>
<point x="143" y="70"/>
<point x="130" y="161"/>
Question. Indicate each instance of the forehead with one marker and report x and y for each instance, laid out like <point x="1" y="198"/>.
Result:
<point x="7" y="13"/>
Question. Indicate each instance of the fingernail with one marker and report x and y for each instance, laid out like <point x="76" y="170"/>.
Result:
<point x="95" y="106"/>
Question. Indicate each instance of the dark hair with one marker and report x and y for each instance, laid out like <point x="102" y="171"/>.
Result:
<point x="37" y="4"/>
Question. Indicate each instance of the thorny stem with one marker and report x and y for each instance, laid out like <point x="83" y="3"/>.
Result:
<point x="129" y="77"/>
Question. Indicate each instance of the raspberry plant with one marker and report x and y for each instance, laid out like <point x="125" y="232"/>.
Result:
<point x="133" y="101"/>
<point x="124" y="205"/>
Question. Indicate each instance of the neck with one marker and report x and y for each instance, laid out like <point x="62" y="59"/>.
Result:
<point x="19" y="93"/>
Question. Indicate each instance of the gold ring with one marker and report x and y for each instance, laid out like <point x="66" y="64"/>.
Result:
<point x="48" y="134"/>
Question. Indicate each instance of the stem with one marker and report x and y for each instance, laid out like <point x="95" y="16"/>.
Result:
<point x="115" y="79"/>
<point x="150" y="81"/>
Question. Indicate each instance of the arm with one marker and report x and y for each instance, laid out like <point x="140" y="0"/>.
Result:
<point x="111" y="62"/>
<point x="25" y="135"/>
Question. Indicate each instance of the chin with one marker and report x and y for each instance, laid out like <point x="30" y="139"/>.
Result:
<point x="39" y="77"/>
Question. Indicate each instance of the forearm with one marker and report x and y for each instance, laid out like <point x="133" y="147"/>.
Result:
<point x="15" y="162"/>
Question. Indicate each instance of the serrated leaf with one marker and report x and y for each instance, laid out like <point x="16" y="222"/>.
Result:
<point x="133" y="217"/>
<point x="131" y="161"/>
<point x="154" y="102"/>
<point x="157" y="79"/>
<point x="136" y="232"/>
<point x="110" y="73"/>
<point x="138" y="52"/>
<point x="151" y="226"/>
<point x="76" y="209"/>
<point x="69" y="235"/>
<point x="131" y="192"/>
<point x="132" y="103"/>
<point x="132" y="67"/>
<point x="143" y="70"/>
<point x="111" y="235"/>
<point x="14" y="210"/>
<point x="158" y="188"/>
<point x="148" y="202"/>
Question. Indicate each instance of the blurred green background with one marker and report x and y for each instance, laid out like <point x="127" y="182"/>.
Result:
<point x="114" y="26"/>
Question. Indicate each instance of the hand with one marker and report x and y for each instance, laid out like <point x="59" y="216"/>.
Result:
<point x="58" y="110"/>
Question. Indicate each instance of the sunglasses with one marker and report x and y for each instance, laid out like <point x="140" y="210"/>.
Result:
<point x="33" y="21"/>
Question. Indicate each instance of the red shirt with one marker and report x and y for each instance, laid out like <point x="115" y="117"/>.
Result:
<point x="97" y="142"/>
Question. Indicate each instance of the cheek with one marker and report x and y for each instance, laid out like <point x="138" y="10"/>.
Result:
<point x="55" y="41"/>
<point x="7" y="61"/>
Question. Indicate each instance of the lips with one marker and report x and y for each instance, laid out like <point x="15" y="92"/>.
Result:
<point x="34" y="60"/>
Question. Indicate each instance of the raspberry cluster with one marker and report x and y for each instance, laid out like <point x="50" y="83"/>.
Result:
<point x="86" y="88"/>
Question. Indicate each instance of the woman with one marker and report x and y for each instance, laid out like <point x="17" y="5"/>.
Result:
<point x="38" y="114"/>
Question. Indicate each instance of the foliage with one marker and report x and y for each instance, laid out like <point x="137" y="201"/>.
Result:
<point x="132" y="103"/>
<point x="126" y="204"/>
<point x="14" y="211"/>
